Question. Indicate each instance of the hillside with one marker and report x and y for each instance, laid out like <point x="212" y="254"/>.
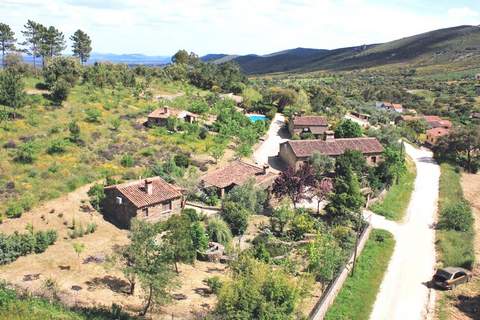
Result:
<point x="460" y="45"/>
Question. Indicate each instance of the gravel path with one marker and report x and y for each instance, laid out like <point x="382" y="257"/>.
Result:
<point x="403" y="294"/>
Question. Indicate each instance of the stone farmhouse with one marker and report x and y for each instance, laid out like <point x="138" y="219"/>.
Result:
<point x="296" y="152"/>
<point x="159" y="116"/>
<point x="152" y="199"/>
<point x="315" y="125"/>
<point x="396" y="107"/>
<point x="236" y="174"/>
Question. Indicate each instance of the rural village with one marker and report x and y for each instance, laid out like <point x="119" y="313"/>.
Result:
<point x="198" y="190"/>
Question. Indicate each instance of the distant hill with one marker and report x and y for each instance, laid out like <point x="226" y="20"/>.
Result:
<point x="451" y="45"/>
<point x="131" y="59"/>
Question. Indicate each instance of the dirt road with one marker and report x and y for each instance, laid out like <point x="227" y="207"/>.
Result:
<point x="403" y="294"/>
<point x="267" y="152"/>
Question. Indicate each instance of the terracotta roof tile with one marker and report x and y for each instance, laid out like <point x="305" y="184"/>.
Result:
<point x="136" y="192"/>
<point x="437" y="132"/>
<point x="236" y="173"/>
<point x="310" y="121"/>
<point x="166" y="112"/>
<point x="305" y="148"/>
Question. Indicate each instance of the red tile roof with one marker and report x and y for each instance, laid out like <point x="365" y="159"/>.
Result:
<point x="437" y="132"/>
<point x="166" y="112"/>
<point x="136" y="192"/>
<point x="397" y="106"/>
<point x="236" y="173"/>
<point x="305" y="148"/>
<point x="310" y="121"/>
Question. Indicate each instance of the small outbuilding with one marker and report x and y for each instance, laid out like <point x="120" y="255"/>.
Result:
<point x="159" y="116"/>
<point x="316" y="125"/>
<point x="235" y="174"/>
<point x="151" y="199"/>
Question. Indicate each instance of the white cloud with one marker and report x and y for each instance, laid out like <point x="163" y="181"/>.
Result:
<point x="231" y="26"/>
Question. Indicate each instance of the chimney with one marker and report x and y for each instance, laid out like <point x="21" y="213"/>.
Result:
<point x="265" y="168"/>
<point x="165" y="110"/>
<point x="148" y="186"/>
<point x="329" y="135"/>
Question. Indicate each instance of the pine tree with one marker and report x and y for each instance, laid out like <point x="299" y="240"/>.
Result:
<point x="7" y="40"/>
<point x="52" y="43"/>
<point x="33" y="35"/>
<point x="81" y="45"/>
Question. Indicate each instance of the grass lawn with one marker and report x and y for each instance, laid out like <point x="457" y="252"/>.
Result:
<point x="13" y="307"/>
<point x="395" y="204"/>
<point x="356" y="298"/>
<point x="455" y="248"/>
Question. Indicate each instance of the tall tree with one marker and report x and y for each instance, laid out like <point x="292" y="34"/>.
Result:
<point x="12" y="90"/>
<point x="33" y="36"/>
<point x="148" y="263"/>
<point x="178" y="237"/>
<point x="7" y="40"/>
<point x="346" y="200"/>
<point x="82" y="45"/>
<point x="52" y="43"/>
<point x="292" y="183"/>
<point x="348" y="129"/>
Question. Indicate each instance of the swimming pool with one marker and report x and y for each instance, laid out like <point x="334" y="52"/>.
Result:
<point x="256" y="117"/>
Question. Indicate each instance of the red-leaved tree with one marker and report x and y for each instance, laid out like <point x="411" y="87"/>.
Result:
<point x="293" y="183"/>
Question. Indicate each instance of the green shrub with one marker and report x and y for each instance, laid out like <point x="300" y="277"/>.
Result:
<point x="456" y="216"/>
<point x="181" y="160"/>
<point x="96" y="195"/>
<point x="192" y="214"/>
<point x="127" y="161"/>
<point x="15" y="210"/>
<point x="26" y="153"/>
<point x="92" y="115"/>
<point x="219" y="231"/>
<point x="57" y="146"/>
<point x="301" y="224"/>
<point x="236" y="216"/>
<point x="199" y="236"/>
<point x="91" y="227"/>
<point x="16" y="245"/>
<point x="214" y="283"/>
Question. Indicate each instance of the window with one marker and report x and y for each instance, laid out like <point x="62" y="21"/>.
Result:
<point x="167" y="206"/>
<point x="374" y="159"/>
<point x="145" y="212"/>
<point x="118" y="200"/>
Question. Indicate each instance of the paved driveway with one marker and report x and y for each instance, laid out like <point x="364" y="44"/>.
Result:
<point x="403" y="294"/>
<point x="267" y="152"/>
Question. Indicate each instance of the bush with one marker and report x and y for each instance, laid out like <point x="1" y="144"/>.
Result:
<point x="301" y="224"/>
<point x="14" y="211"/>
<point x="97" y="195"/>
<point x="192" y="214"/>
<point x="16" y="245"/>
<point x="181" y="160"/>
<point x="236" y="216"/>
<point x="60" y="91"/>
<point x="25" y="153"/>
<point x="214" y="284"/>
<point x="57" y="146"/>
<point x="127" y="161"/>
<point x="199" y="236"/>
<point x="92" y="115"/>
<point x="91" y="227"/>
<point x="219" y="231"/>
<point x="456" y="216"/>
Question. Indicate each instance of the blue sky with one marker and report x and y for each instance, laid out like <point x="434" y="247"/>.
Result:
<point x="238" y="26"/>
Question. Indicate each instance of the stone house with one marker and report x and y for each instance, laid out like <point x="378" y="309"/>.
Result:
<point x="237" y="173"/>
<point x="296" y="152"/>
<point x="434" y="134"/>
<point x="316" y="125"/>
<point x="159" y="116"/>
<point x="396" y="107"/>
<point x="432" y="121"/>
<point x="151" y="199"/>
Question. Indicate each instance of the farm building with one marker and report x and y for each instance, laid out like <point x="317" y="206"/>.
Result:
<point x="294" y="153"/>
<point x="316" y="125"/>
<point x="159" y="116"/>
<point x="434" y="134"/>
<point x="236" y="174"/>
<point x="151" y="199"/>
